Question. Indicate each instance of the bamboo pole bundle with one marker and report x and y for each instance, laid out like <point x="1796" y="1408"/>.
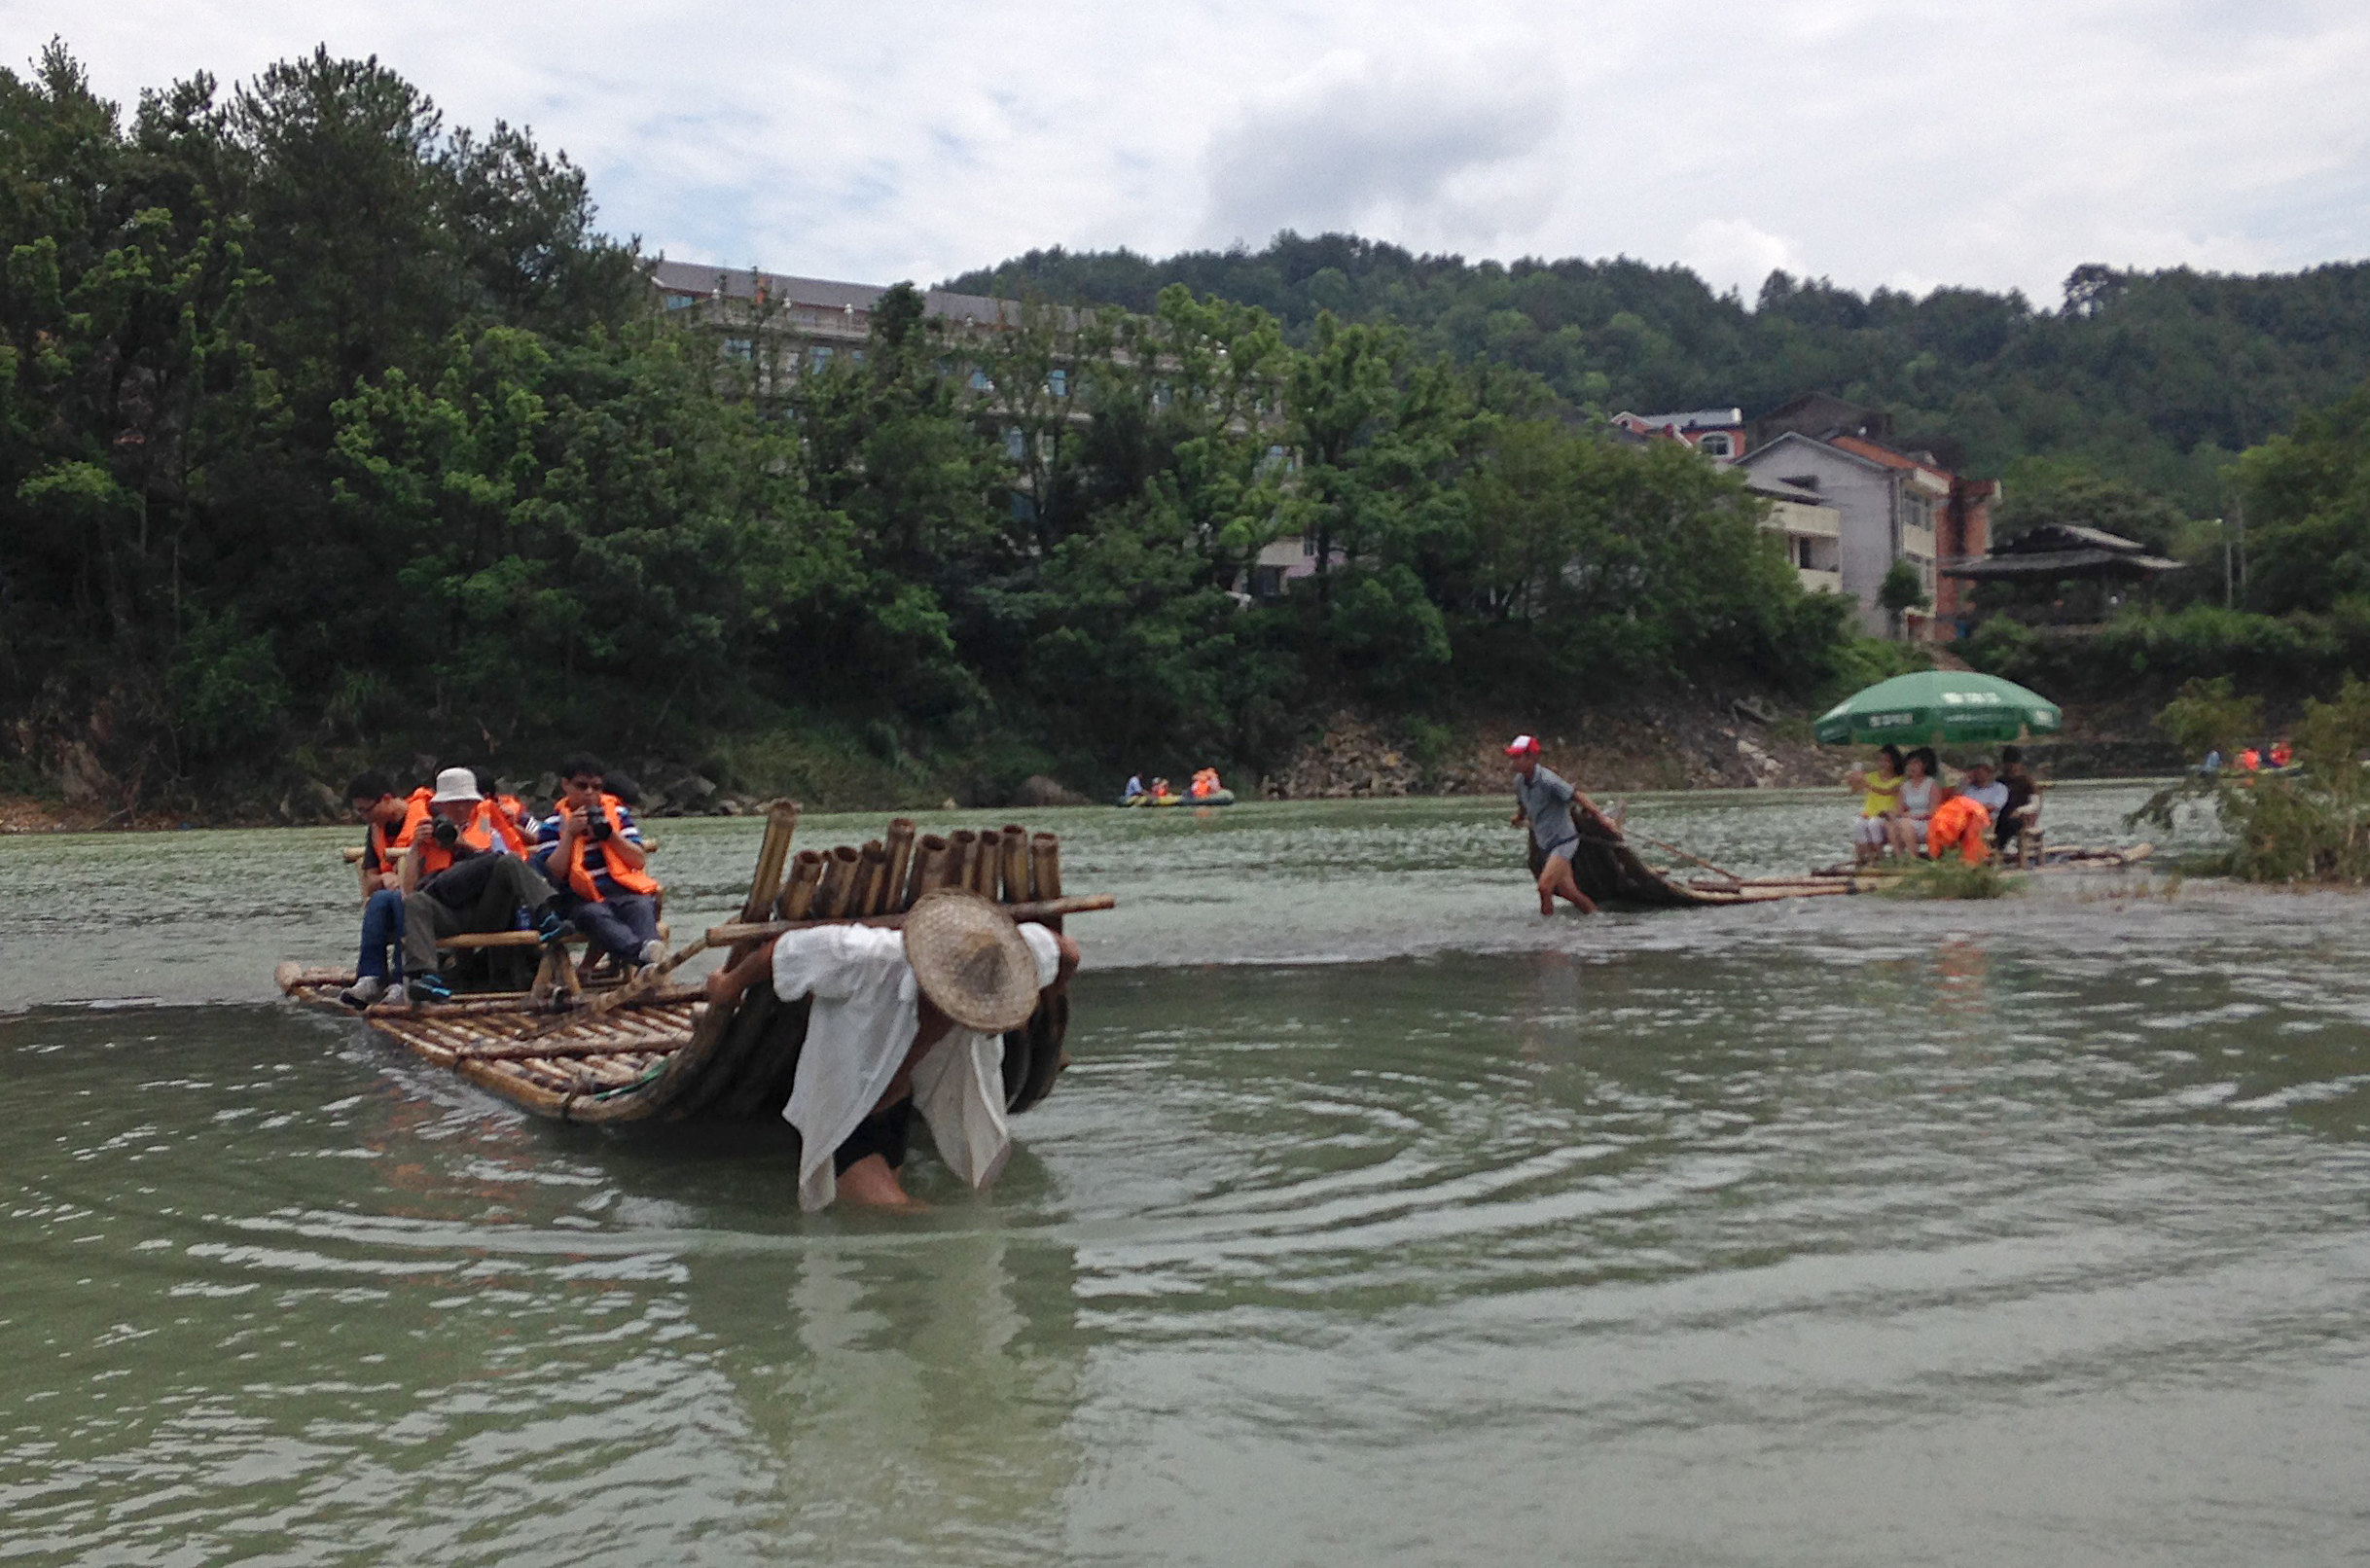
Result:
<point x="782" y="821"/>
<point x="1045" y="871"/>
<point x="1048" y="911"/>
<point x="900" y="863"/>
<point x="930" y="868"/>
<point x="873" y="881"/>
<point x="1012" y="864"/>
<point x="838" y="879"/>
<point x="798" y="893"/>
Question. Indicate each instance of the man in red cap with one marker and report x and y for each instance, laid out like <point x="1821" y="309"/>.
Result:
<point x="1545" y="802"/>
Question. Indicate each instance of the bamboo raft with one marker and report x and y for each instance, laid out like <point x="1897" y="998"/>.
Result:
<point x="594" y="1049"/>
<point x="1611" y="870"/>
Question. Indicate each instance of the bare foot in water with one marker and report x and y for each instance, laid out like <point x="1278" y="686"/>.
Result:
<point x="871" y="1183"/>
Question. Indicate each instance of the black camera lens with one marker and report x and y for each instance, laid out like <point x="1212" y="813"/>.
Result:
<point x="447" y="832"/>
<point x="601" y="829"/>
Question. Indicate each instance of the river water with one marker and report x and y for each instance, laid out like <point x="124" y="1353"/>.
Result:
<point x="1379" y="1220"/>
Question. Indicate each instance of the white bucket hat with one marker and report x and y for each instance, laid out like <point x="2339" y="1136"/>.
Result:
<point x="455" y="784"/>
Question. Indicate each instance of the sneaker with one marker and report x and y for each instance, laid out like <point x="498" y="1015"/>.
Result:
<point x="364" y="991"/>
<point x="652" y="951"/>
<point x="428" y="988"/>
<point x="550" y="928"/>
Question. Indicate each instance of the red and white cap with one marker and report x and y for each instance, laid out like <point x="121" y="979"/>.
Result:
<point x="1523" y="746"/>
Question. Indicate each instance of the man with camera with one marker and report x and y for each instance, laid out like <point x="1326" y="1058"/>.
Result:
<point x="598" y="862"/>
<point x="458" y="876"/>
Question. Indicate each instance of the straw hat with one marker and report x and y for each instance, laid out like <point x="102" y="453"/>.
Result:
<point x="971" y="961"/>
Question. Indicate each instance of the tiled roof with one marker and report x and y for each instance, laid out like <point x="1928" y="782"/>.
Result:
<point x="741" y="283"/>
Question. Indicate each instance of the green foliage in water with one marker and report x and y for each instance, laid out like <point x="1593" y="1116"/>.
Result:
<point x="2312" y="825"/>
<point x="1951" y="877"/>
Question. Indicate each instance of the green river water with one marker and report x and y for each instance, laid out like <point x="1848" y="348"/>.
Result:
<point x="1379" y="1221"/>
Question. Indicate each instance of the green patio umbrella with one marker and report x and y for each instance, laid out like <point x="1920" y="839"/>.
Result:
<point x="1938" y="707"/>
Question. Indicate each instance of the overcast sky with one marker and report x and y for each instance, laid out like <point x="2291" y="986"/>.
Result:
<point x="1907" y="144"/>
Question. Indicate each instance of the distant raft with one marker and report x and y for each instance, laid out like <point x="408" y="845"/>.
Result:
<point x="1162" y="802"/>
<point x="1612" y="871"/>
<point x="592" y="1048"/>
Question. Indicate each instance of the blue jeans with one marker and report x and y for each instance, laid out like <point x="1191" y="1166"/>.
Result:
<point x="618" y="925"/>
<point x="382" y="928"/>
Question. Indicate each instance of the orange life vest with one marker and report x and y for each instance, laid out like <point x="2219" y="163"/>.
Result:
<point x="628" y="877"/>
<point x="478" y="835"/>
<point x="416" y="812"/>
<point x="502" y="814"/>
<point x="1963" y="822"/>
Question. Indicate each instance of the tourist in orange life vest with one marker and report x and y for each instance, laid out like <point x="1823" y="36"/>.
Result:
<point x="387" y="824"/>
<point x="596" y="859"/>
<point x="458" y="876"/>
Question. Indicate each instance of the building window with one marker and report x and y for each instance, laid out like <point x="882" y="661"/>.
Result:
<point x="676" y="302"/>
<point x="1713" y="446"/>
<point x="1016" y="445"/>
<point x="740" y="348"/>
<point x="980" y="381"/>
<point x="1307" y="544"/>
<point x="819" y="356"/>
<point x="1057" y="383"/>
<point x="1267" y="582"/>
<point x="1160" y="394"/>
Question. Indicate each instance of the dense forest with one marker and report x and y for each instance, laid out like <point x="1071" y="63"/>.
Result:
<point x="2156" y="379"/>
<point x="334" y="435"/>
<point x="331" y="435"/>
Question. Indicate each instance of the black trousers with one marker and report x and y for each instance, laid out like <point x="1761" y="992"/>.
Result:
<point x="484" y="893"/>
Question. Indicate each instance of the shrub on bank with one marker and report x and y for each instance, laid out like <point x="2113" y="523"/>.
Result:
<point x="2312" y="825"/>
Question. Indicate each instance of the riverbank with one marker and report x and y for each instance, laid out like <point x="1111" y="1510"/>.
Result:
<point x="1694" y="741"/>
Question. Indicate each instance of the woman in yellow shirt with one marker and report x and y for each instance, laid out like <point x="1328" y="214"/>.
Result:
<point x="1880" y="791"/>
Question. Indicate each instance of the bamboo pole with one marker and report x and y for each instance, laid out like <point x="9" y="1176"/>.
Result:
<point x="798" y="893"/>
<point x="1045" y="871"/>
<point x="1046" y="910"/>
<point x="900" y="861"/>
<point x="874" y="880"/>
<point x="782" y="821"/>
<point x="962" y="855"/>
<point x="982" y="863"/>
<point x="929" y="870"/>
<point x="638" y="988"/>
<point x="1012" y="864"/>
<point x="838" y="879"/>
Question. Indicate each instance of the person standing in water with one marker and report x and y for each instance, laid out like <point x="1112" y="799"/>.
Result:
<point x="1545" y="802"/>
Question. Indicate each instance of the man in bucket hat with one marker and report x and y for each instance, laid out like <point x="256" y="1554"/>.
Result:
<point x="904" y="1022"/>
<point x="1545" y="801"/>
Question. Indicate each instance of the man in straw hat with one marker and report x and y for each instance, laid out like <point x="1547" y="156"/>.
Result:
<point x="904" y="1021"/>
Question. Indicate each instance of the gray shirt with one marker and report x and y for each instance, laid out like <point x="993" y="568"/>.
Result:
<point x="1547" y="800"/>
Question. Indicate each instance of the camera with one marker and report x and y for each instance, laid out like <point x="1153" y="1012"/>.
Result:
<point x="597" y="827"/>
<point x="446" y="832"/>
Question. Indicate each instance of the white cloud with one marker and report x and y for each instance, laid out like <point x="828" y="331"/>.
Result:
<point x="1998" y="144"/>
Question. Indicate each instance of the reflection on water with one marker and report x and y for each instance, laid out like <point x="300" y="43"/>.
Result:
<point x="1853" y="1231"/>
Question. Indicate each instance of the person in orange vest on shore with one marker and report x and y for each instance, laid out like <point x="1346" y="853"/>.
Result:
<point x="2282" y="753"/>
<point x="596" y="859"/>
<point x="459" y="877"/>
<point x="1962" y="822"/>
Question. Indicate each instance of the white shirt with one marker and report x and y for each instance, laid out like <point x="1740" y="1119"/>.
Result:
<point x="867" y="1010"/>
<point x="1991" y="796"/>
